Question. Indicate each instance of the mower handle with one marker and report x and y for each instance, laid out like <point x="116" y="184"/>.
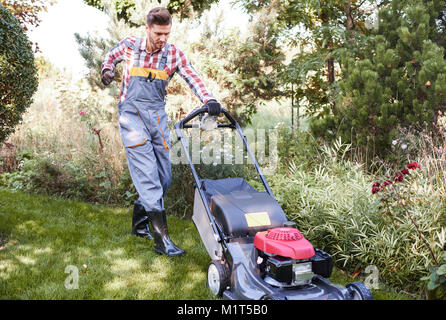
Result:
<point x="179" y="126"/>
<point x="184" y="122"/>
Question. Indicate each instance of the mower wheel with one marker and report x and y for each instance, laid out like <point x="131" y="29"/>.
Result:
<point x="218" y="277"/>
<point x="359" y="291"/>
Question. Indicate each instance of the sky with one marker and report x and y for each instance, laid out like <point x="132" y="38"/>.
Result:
<point x="55" y="34"/>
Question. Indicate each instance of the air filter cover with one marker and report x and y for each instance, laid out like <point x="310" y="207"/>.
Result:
<point x="285" y="242"/>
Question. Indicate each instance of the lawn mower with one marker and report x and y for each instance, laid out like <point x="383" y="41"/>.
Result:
<point x="256" y="252"/>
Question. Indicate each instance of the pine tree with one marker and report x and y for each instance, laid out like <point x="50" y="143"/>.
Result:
<point x="400" y="81"/>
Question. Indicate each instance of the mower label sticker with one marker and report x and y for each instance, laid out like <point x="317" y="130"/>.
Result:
<point x="257" y="219"/>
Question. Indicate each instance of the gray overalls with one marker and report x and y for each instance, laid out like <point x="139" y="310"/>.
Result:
<point x="144" y="131"/>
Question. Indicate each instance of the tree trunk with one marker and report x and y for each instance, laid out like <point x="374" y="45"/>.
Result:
<point x="331" y="70"/>
<point x="349" y="23"/>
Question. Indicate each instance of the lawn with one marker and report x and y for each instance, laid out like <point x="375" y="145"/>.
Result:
<point x="43" y="241"/>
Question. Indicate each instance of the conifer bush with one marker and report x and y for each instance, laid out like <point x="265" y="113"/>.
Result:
<point x="18" y="74"/>
<point x="400" y="79"/>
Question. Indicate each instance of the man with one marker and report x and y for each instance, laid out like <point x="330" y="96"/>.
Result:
<point x="150" y="63"/>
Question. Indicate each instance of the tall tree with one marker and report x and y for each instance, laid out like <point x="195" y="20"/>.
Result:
<point x="244" y="65"/>
<point x="321" y="30"/>
<point x="400" y="80"/>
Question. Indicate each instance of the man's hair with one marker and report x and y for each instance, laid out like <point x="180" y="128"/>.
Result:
<point x="159" y="16"/>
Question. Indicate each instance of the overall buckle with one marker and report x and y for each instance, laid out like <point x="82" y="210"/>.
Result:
<point x="151" y="77"/>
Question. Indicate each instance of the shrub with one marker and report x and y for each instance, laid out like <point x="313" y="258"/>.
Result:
<point x="437" y="279"/>
<point x="18" y="74"/>
<point x="400" y="79"/>
<point x="89" y="180"/>
<point x="334" y="207"/>
<point x="300" y="148"/>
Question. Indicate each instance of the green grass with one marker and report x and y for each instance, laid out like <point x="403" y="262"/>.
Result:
<point x="46" y="235"/>
<point x="41" y="236"/>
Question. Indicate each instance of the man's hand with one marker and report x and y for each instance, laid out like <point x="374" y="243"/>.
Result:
<point x="214" y="107"/>
<point x="107" y="77"/>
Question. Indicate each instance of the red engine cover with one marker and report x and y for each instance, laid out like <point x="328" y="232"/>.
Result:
<point x="285" y="242"/>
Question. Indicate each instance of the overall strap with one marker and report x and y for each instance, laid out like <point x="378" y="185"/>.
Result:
<point x="135" y="48"/>
<point x="164" y="57"/>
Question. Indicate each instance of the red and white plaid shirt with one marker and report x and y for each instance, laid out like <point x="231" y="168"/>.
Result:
<point x="176" y="62"/>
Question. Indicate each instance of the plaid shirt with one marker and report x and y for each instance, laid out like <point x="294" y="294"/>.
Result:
<point x="176" y="62"/>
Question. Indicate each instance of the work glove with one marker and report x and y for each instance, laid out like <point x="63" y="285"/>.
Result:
<point x="107" y="76"/>
<point x="214" y="107"/>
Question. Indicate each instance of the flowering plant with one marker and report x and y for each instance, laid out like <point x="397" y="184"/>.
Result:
<point x="400" y="200"/>
<point x="397" y="177"/>
<point x="88" y="119"/>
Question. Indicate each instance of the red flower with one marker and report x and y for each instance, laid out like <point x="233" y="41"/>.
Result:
<point x="375" y="190"/>
<point x="414" y="165"/>
<point x="387" y="182"/>
<point x="398" y="177"/>
<point x="376" y="187"/>
<point x="405" y="171"/>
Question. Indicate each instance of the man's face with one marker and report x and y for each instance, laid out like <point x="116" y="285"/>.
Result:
<point x="157" y="35"/>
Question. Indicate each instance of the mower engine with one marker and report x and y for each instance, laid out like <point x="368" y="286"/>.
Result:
<point x="286" y="259"/>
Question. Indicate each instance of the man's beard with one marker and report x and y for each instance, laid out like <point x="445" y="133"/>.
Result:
<point x="156" y="45"/>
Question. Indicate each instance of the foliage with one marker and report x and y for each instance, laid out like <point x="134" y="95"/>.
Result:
<point x="89" y="181"/>
<point x="321" y="187"/>
<point x="74" y="167"/>
<point x="316" y="32"/>
<point x="300" y="149"/>
<point x="400" y="80"/>
<point x="189" y="8"/>
<point x="403" y="199"/>
<point x="334" y="208"/>
<point x="27" y="11"/>
<point x="183" y="8"/>
<point x="18" y="74"/>
<point x="437" y="280"/>
<point x="8" y="158"/>
<point x="242" y="66"/>
<point x="122" y="7"/>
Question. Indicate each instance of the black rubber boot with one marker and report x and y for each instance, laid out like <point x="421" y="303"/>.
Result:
<point x="140" y="222"/>
<point x="163" y="244"/>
